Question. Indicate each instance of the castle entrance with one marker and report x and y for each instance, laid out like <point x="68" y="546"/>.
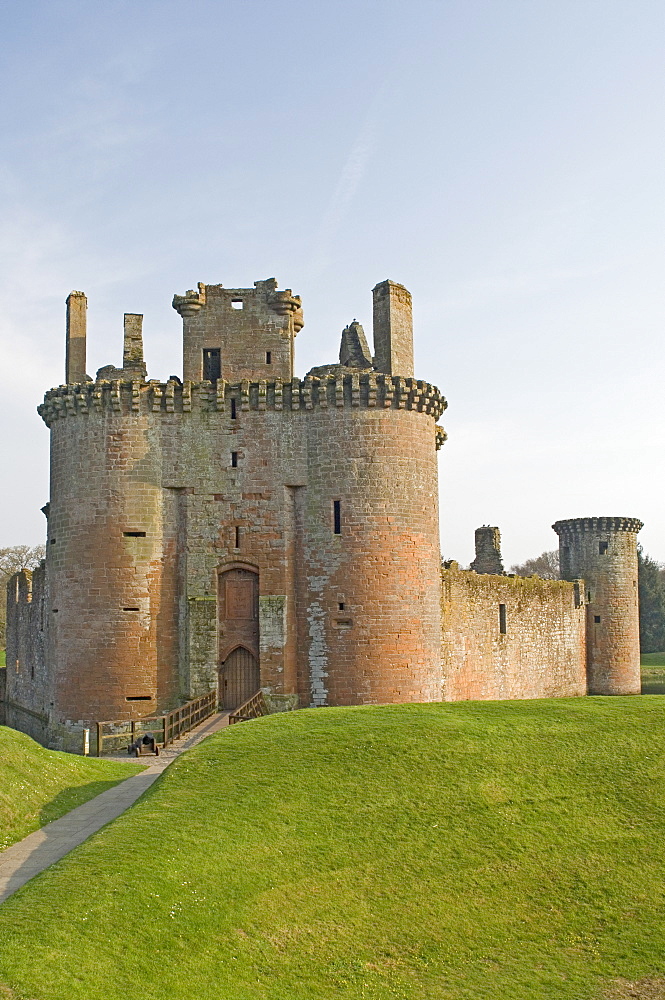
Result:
<point x="238" y="604"/>
<point x="239" y="678"/>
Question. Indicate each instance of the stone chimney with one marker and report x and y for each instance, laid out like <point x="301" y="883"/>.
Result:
<point x="77" y="305"/>
<point x="488" y="551"/>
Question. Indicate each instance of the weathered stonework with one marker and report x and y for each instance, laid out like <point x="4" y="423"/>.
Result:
<point x="245" y="528"/>
<point x="488" y="551"/>
<point x="510" y="637"/>
<point x="603" y="550"/>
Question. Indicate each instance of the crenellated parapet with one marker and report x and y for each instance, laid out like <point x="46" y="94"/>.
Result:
<point x="582" y="525"/>
<point x="348" y="390"/>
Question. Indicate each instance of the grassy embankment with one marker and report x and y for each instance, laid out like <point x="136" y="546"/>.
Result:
<point x="653" y="673"/>
<point x="422" y="852"/>
<point x="38" y="785"/>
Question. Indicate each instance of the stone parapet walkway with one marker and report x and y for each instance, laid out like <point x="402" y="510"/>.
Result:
<point x="22" y="861"/>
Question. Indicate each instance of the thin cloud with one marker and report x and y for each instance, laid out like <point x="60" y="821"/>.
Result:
<point x="350" y="179"/>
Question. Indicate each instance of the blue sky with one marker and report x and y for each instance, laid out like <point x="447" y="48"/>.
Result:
<point x="504" y="160"/>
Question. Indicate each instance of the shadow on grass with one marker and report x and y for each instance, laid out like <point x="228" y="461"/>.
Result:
<point x="650" y="686"/>
<point x="70" y="798"/>
<point x="72" y="816"/>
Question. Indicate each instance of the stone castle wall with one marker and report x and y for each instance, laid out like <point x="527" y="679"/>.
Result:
<point x="160" y="489"/>
<point x="603" y="550"/>
<point x="245" y="528"/>
<point x="533" y="648"/>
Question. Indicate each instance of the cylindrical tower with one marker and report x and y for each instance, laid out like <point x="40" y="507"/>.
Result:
<point x="109" y="623"/>
<point x="603" y="552"/>
<point x="370" y="544"/>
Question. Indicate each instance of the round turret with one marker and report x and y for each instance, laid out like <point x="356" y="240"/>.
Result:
<point x="603" y="552"/>
<point x="112" y="628"/>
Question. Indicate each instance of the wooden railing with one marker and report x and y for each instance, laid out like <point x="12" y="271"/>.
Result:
<point x="253" y="708"/>
<point x="115" y="736"/>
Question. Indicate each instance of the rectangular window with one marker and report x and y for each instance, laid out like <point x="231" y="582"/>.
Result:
<point x="233" y="409"/>
<point x="578" y="596"/>
<point x="337" y="517"/>
<point x="131" y="609"/>
<point x="237" y="304"/>
<point x="212" y="363"/>
<point x="139" y="697"/>
<point x="268" y="357"/>
<point x="237" y="537"/>
<point x="134" y="534"/>
<point x="596" y="619"/>
<point x="234" y="459"/>
<point x="602" y="548"/>
<point x="502" y="619"/>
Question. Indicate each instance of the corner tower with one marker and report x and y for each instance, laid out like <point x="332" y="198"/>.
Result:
<point x="603" y="551"/>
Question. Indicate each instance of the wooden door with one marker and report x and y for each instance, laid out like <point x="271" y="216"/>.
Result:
<point x="239" y="678"/>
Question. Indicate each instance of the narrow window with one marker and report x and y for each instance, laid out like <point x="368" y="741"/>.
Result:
<point x="237" y="304"/>
<point x="268" y="357"/>
<point x="134" y="534"/>
<point x="596" y="619"/>
<point x="234" y="459"/>
<point x="340" y="605"/>
<point x="139" y="697"/>
<point x="131" y="609"/>
<point x="502" y="619"/>
<point x="233" y="409"/>
<point x="588" y="596"/>
<point x="17" y="667"/>
<point x="602" y="548"/>
<point x="212" y="363"/>
<point x="237" y="531"/>
<point x="53" y="541"/>
<point x="337" y="517"/>
<point x="576" y="591"/>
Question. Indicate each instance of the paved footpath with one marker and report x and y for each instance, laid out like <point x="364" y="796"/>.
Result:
<point x="21" y="862"/>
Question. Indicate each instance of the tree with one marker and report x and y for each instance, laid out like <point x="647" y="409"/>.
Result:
<point x="651" y="590"/>
<point x="13" y="559"/>
<point x="546" y="565"/>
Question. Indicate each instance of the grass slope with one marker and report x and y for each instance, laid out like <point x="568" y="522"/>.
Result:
<point x="653" y="673"/>
<point x="504" y="850"/>
<point x="38" y="785"/>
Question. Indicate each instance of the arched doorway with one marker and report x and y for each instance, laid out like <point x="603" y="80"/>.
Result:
<point x="239" y="678"/>
<point x="239" y="671"/>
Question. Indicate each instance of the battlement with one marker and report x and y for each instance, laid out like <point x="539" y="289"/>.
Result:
<point x="348" y="390"/>
<point x="579" y="525"/>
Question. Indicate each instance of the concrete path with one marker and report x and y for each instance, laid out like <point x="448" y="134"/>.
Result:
<point x="20" y="862"/>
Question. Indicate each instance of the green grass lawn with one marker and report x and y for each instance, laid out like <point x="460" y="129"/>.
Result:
<point x="421" y="852"/>
<point x="3" y="657"/>
<point x="653" y="673"/>
<point x="38" y="785"/>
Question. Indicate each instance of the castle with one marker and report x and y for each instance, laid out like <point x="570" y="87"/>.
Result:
<point x="244" y="529"/>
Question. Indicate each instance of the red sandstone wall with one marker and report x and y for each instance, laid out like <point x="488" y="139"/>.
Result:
<point x="603" y="551"/>
<point x="542" y="654"/>
<point x="112" y="613"/>
<point x="384" y="645"/>
<point x="159" y="459"/>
